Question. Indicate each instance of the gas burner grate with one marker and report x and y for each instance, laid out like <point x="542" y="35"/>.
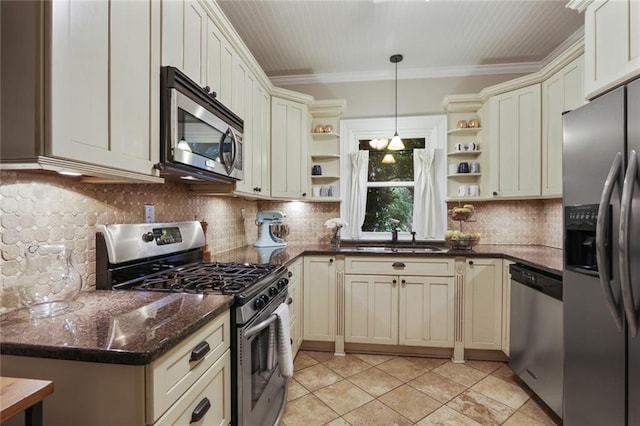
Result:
<point x="217" y="278"/>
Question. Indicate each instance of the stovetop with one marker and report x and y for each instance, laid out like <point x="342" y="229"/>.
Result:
<point x="208" y="278"/>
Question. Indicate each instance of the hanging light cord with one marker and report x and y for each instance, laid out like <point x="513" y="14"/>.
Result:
<point x="396" y="133"/>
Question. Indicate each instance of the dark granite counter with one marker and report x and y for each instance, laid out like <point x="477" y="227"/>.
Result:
<point x="545" y="258"/>
<point x="118" y="327"/>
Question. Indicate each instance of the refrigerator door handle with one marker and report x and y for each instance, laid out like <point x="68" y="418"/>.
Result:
<point x="623" y="241"/>
<point x="601" y="226"/>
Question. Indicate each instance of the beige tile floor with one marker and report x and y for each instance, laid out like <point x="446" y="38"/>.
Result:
<point x="396" y="390"/>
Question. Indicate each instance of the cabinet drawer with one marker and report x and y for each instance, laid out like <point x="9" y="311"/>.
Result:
<point x="215" y="386"/>
<point x="172" y="374"/>
<point x="436" y="267"/>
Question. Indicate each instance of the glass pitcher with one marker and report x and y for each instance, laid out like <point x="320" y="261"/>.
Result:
<point x="49" y="281"/>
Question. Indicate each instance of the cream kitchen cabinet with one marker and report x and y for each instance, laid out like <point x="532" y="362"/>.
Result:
<point x="410" y="303"/>
<point x="561" y="92"/>
<point x="295" y="305"/>
<point x="87" y="100"/>
<point x="371" y="309"/>
<point x="289" y="142"/>
<point x="515" y="143"/>
<point x="192" y="42"/>
<point x="483" y="303"/>
<point x="611" y="44"/>
<point x="255" y="109"/>
<point x="319" y="294"/>
<point x="165" y="392"/>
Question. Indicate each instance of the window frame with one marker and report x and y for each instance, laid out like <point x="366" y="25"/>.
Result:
<point x="430" y="127"/>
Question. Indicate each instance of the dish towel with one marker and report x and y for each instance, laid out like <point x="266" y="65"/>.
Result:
<point x="285" y="357"/>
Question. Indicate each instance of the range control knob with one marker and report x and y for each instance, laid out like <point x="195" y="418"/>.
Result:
<point x="261" y="301"/>
<point x="148" y="237"/>
<point x="273" y="291"/>
<point x="282" y="283"/>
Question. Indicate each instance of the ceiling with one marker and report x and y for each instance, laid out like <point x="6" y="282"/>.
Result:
<point x="305" y="41"/>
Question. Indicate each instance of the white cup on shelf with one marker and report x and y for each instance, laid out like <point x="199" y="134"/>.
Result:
<point x="463" y="191"/>
<point x="453" y="169"/>
<point x="474" y="190"/>
<point x="315" y="190"/>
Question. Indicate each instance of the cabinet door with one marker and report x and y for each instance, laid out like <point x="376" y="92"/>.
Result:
<point x="295" y="307"/>
<point x="371" y="309"/>
<point x="319" y="322"/>
<point x="288" y="148"/>
<point x="515" y="143"/>
<point x="561" y="92"/>
<point x="246" y="111"/>
<point x="611" y="44"/>
<point x="104" y="84"/>
<point x="426" y="311"/>
<point x="483" y="304"/>
<point x="219" y="63"/>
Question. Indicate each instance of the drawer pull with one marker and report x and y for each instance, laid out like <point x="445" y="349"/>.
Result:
<point x="398" y="265"/>
<point x="201" y="409"/>
<point x="199" y="351"/>
<point x="289" y="301"/>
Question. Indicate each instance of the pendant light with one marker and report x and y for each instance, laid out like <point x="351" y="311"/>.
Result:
<point x="388" y="159"/>
<point x="378" y="144"/>
<point x="396" y="143"/>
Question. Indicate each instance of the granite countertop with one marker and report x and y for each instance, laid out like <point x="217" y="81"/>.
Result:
<point x="137" y="327"/>
<point x="118" y="327"/>
<point x="546" y="258"/>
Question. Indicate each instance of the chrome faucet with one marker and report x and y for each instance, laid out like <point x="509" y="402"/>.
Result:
<point x="394" y="235"/>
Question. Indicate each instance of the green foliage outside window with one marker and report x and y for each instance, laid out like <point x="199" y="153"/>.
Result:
<point x="390" y="203"/>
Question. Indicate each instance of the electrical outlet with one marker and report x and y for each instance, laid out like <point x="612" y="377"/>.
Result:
<point x="149" y="213"/>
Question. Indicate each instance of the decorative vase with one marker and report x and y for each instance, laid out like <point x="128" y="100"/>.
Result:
<point x="49" y="281"/>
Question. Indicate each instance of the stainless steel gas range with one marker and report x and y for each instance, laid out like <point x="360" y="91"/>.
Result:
<point x="168" y="257"/>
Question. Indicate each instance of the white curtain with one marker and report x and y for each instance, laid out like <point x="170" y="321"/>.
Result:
<point x="426" y="221"/>
<point x="358" y="194"/>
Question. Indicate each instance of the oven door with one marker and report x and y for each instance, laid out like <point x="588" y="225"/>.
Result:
<point x="203" y="140"/>
<point x="262" y="390"/>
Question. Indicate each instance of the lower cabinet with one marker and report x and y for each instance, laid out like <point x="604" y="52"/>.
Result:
<point x="295" y="304"/>
<point x="164" y="392"/>
<point x="405" y="310"/>
<point x="319" y="319"/>
<point x="483" y="304"/>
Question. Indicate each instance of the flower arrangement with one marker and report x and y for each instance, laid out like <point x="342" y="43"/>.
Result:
<point x="335" y="224"/>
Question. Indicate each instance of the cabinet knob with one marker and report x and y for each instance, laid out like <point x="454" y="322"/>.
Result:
<point x="304" y="194"/>
<point x="403" y="282"/>
<point x="495" y="193"/>
<point x="471" y="262"/>
<point x="394" y="282"/>
<point x="330" y="260"/>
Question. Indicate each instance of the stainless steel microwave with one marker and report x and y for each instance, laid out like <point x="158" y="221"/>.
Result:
<point x="201" y="139"/>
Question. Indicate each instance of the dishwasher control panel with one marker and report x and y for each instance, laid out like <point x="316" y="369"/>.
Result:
<point x="542" y="281"/>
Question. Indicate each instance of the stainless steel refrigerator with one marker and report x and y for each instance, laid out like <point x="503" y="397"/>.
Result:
<point x="601" y="279"/>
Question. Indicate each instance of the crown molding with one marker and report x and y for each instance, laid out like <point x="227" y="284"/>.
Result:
<point x="579" y="5"/>
<point x="407" y="74"/>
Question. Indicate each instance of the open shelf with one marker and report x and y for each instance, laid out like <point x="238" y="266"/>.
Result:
<point x="464" y="131"/>
<point x="325" y="156"/>
<point x="332" y="177"/>
<point x="464" y="153"/>
<point x="463" y="175"/>
<point x="325" y="135"/>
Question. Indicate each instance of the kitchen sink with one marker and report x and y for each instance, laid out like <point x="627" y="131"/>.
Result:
<point x="416" y="249"/>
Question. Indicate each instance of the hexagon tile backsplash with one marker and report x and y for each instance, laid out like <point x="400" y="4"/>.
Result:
<point x="45" y="207"/>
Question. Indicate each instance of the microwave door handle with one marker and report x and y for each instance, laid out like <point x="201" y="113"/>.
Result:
<point x="623" y="240"/>
<point x="234" y="149"/>
<point x="601" y="252"/>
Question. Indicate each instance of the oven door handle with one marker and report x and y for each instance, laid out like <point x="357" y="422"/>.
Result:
<point x="260" y="326"/>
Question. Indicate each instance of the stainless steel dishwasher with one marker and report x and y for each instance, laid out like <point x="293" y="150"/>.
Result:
<point x="536" y="338"/>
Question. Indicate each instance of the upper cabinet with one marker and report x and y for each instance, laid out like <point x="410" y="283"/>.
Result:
<point x="515" y="143"/>
<point x="612" y="44"/>
<point x="87" y="101"/>
<point x="289" y="142"/>
<point x="562" y="92"/>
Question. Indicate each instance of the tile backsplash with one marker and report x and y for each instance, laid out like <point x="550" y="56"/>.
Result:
<point x="45" y="207"/>
<point x="516" y="222"/>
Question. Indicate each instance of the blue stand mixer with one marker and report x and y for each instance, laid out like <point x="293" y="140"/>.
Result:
<point x="265" y="219"/>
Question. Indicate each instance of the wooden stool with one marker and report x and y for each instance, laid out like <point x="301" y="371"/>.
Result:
<point x="18" y="395"/>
